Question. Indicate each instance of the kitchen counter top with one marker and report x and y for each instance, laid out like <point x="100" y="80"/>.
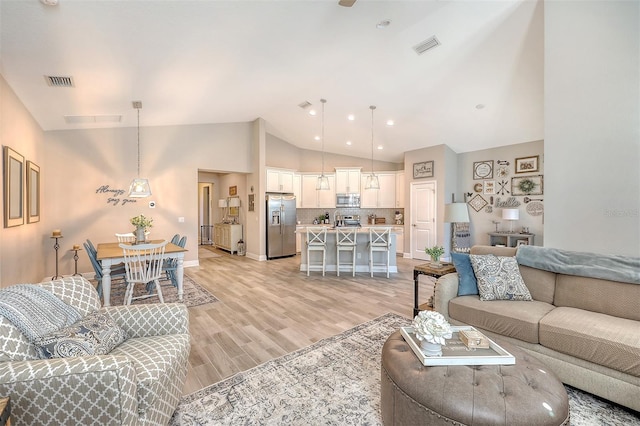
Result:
<point x="364" y="228"/>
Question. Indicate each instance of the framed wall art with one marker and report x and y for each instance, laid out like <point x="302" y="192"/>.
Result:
<point x="483" y="169"/>
<point x="477" y="202"/>
<point x="33" y="192"/>
<point x="489" y="187"/>
<point x="527" y="164"/>
<point x="527" y="185"/>
<point x="13" y="188"/>
<point x="423" y="169"/>
<point x="233" y="190"/>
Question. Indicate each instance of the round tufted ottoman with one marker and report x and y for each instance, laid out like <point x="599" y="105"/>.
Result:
<point x="526" y="393"/>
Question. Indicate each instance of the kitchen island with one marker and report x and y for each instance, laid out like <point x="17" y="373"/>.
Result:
<point x="362" y="252"/>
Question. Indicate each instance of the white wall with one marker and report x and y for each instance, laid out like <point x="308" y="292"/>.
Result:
<point x="23" y="249"/>
<point x="592" y="126"/>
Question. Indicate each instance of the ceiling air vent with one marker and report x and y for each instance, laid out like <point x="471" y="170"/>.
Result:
<point x="304" y="105"/>
<point x="57" y="81"/>
<point x="428" y="44"/>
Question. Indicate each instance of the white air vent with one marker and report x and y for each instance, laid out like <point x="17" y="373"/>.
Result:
<point x="58" y="81"/>
<point x="428" y="44"/>
<point x="83" y="119"/>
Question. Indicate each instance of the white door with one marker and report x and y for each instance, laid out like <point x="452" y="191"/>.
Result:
<point x="423" y="218"/>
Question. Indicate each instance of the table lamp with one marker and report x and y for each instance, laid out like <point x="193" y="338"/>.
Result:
<point x="222" y="203"/>
<point x="510" y="215"/>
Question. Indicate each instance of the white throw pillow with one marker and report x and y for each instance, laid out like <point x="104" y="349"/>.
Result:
<point x="499" y="278"/>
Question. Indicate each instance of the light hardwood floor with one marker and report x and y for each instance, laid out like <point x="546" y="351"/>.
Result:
<point x="268" y="309"/>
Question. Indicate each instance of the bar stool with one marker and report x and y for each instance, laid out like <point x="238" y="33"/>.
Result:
<point x="346" y="241"/>
<point x="379" y="241"/>
<point x="316" y="241"/>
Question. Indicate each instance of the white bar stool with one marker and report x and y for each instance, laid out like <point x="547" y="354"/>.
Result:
<point x="316" y="241"/>
<point x="379" y="241"/>
<point x="346" y="241"/>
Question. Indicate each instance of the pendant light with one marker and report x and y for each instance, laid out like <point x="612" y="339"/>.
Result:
<point x="139" y="187"/>
<point x="323" y="181"/>
<point x="372" y="179"/>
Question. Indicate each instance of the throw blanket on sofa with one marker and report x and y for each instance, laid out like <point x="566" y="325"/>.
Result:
<point x="35" y="311"/>
<point x="608" y="267"/>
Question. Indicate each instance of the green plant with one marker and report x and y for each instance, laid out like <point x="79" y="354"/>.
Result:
<point x="141" y="221"/>
<point x="435" y="252"/>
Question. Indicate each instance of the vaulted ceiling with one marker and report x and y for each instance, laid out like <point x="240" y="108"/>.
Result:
<point x="213" y="61"/>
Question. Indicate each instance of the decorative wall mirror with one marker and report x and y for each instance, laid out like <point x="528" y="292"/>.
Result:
<point x="33" y="192"/>
<point x="13" y="188"/>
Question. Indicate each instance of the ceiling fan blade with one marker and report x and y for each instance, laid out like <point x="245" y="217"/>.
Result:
<point x="346" y="3"/>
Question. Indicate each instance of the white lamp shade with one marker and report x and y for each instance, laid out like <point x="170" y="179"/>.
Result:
<point x="510" y="214"/>
<point x="456" y="213"/>
<point x="139" y="188"/>
<point x="234" y="202"/>
<point x="222" y="203"/>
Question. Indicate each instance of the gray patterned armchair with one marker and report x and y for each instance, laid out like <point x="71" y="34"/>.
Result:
<point x="137" y="383"/>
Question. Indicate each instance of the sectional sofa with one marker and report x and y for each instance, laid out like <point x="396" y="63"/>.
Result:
<point x="583" y="320"/>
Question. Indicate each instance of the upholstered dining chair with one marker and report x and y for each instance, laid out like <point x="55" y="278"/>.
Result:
<point x="143" y="265"/>
<point x="171" y="265"/>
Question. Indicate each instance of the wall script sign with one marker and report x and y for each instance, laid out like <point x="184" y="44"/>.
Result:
<point x="114" y="195"/>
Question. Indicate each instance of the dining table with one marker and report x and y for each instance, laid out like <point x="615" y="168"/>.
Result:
<point x="111" y="253"/>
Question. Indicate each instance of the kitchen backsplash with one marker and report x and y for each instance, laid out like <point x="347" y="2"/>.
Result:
<point x="306" y="216"/>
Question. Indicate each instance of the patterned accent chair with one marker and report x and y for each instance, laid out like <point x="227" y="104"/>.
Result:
<point x="138" y="383"/>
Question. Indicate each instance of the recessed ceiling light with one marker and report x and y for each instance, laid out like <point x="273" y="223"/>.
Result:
<point x="312" y="112"/>
<point x="351" y="117"/>
<point x="380" y="147"/>
<point x="383" y="24"/>
<point x="390" y="123"/>
<point x="317" y="138"/>
<point x="349" y="143"/>
<point x="480" y="106"/>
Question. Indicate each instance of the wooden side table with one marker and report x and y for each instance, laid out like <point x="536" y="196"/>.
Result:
<point x="5" y="411"/>
<point x="428" y="269"/>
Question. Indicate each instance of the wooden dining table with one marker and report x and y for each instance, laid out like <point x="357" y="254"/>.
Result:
<point x="110" y="254"/>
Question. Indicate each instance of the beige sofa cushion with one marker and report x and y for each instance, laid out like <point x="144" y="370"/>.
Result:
<point x="517" y="319"/>
<point x="597" y="295"/>
<point x="541" y="284"/>
<point x="602" y="339"/>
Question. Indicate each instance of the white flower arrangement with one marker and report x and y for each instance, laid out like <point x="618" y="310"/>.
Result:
<point x="432" y="327"/>
<point x="141" y="221"/>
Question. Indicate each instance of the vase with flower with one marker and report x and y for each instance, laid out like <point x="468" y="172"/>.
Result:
<point x="435" y="253"/>
<point x="431" y="329"/>
<point x="141" y="222"/>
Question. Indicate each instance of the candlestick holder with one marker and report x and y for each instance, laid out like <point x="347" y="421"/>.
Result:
<point x="75" y="251"/>
<point x="56" y="246"/>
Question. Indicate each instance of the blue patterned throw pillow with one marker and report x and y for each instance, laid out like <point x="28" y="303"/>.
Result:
<point x="95" y="334"/>
<point x="499" y="278"/>
<point x="467" y="283"/>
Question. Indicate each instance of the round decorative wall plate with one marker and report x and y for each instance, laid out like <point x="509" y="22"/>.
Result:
<point x="535" y="208"/>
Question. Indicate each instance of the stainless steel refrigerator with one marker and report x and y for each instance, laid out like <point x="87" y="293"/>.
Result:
<point x="281" y="225"/>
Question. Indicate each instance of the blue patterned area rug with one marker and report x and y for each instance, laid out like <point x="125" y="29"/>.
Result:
<point x="335" y="381"/>
<point x="194" y="293"/>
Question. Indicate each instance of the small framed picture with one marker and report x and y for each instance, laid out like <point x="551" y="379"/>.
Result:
<point x="522" y="243"/>
<point x="483" y="169"/>
<point x="233" y="190"/>
<point x="423" y="170"/>
<point x="489" y="187"/>
<point x="527" y="164"/>
<point x="527" y="185"/>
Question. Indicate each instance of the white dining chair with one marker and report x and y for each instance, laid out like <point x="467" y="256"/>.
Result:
<point x="346" y="241"/>
<point x="128" y="237"/>
<point x="143" y="265"/>
<point x="379" y="241"/>
<point x="316" y="241"/>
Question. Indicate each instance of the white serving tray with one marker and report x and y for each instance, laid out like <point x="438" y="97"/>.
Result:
<point x="456" y="353"/>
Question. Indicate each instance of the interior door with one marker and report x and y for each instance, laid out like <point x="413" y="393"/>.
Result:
<point x="423" y="218"/>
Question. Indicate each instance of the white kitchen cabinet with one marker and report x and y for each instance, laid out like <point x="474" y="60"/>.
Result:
<point x="313" y="198"/>
<point x="279" y="180"/>
<point x="297" y="189"/>
<point x="399" y="241"/>
<point x="385" y="197"/>
<point x="400" y="190"/>
<point x="347" y="181"/>
<point x="226" y="236"/>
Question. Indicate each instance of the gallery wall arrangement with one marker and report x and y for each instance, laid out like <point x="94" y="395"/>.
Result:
<point x="21" y="186"/>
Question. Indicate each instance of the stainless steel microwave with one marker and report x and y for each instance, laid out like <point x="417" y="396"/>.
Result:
<point x="348" y="200"/>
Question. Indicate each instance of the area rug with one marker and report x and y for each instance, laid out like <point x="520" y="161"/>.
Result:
<point x="335" y="381"/>
<point x="194" y="293"/>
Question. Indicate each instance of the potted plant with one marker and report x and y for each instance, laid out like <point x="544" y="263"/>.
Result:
<point x="141" y="222"/>
<point x="435" y="252"/>
<point x="431" y="329"/>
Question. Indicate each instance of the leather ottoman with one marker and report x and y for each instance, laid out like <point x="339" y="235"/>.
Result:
<point x="526" y="393"/>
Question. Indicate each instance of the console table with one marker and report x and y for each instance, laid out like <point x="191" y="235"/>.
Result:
<point x="432" y="271"/>
<point x="509" y="239"/>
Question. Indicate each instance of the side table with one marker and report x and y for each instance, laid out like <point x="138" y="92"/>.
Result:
<point x="432" y="271"/>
